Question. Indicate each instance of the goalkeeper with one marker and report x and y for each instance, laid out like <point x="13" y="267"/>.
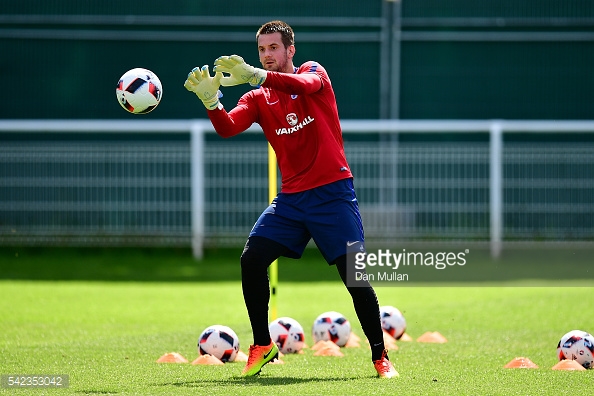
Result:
<point x="296" y="108"/>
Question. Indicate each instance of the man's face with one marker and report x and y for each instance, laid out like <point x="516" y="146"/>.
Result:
<point x="273" y="54"/>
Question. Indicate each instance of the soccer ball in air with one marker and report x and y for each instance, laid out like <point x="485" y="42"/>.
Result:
<point x="139" y="91"/>
<point x="220" y="342"/>
<point x="579" y="346"/>
<point x="288" y="334"/>
<point x="332" y="326"/>
<point x="393" y="321"/>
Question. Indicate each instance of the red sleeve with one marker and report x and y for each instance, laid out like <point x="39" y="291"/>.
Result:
<point x="234" y="122"/>
<point x="298" y="84"/>
<point x="308" y="81"/>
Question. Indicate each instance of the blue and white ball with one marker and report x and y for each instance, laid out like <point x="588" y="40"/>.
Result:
<point x="219" y="341"/>
<point x="393" y="321"/>
<point x="332" y="326"/>
<point x="577" y="345"/>
<point x="139" y="91"/>
<point x="288" y="334"/>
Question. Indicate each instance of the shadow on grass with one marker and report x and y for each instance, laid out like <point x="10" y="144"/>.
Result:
<point x="260" y="381"/>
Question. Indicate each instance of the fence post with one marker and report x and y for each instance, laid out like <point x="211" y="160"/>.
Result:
<point x="496" y="187"/>
<point x="197" y="187"/>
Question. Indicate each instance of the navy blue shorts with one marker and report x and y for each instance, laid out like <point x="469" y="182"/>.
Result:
<point x="329" y="214"/>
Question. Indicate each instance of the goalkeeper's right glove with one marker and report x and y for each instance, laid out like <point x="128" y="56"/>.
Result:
<point x="204" y="86"/>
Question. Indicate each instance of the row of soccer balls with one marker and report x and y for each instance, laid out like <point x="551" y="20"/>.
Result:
<point x="222" y="342"/>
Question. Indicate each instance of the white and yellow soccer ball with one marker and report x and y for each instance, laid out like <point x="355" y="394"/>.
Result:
<point x="393" y="321"/>
<point x="577" y="345"/>
<point x="332" y="326"/>
<point x="219" y="341"/>
<point x="288" y="334"/>
<point x="139" y="91"/>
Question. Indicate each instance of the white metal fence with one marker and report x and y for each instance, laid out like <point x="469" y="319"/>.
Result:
<point x="175" y="183"/>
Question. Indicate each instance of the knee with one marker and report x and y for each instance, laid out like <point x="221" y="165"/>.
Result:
<point x="259" y="253"/>
<point x="249" y="257"/>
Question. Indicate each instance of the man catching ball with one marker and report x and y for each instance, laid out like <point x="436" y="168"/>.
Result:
<point x="296" y="108"/>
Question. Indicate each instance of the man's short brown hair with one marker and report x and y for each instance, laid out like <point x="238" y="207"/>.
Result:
<point x="287" y="35"/>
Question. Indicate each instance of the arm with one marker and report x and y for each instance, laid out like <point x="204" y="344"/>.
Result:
<point x="206" y="88"/>
<point x="228" y="124"/>
<point x="240" y="72"/>
<point x="299" y="84"/>
<point x="242" y="117"/>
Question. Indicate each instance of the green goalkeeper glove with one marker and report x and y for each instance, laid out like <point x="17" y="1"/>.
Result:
<point x="239" y="71"/>
<point x="204" y="86"/>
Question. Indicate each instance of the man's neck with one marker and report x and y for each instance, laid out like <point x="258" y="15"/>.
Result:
<point x="289" y="69"/>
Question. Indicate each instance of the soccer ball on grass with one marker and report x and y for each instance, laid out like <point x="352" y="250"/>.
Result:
<point x="139" y="91"/>
<point x="220" y="342"/>
<point x="577" y="345"/>
<point x="393" y="321"/>
<point x="332" y="326"/>
<point x="288" y="334"/>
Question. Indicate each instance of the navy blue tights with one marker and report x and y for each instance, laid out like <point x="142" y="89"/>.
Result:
<point x="259" y="253"/>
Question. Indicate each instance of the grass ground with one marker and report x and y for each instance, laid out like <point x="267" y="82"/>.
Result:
<point x="104" y="316"/>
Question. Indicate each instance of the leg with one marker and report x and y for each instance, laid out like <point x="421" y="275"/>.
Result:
<point x="277" y="232"/>
<point x="367" y="309"/>
<point x="258" y="254"/>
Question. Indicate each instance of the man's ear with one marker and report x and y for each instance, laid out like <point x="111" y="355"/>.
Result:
<point x="291" y="51"/>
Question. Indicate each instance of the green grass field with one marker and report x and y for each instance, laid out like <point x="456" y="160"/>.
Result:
<point x="105" y="316"/>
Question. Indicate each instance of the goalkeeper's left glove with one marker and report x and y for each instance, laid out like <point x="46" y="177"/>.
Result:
<point x="204" y="86"/>
<point x="239" y="71"/>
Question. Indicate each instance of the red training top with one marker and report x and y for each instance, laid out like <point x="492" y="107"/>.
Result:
<point x="299" y="117"/>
